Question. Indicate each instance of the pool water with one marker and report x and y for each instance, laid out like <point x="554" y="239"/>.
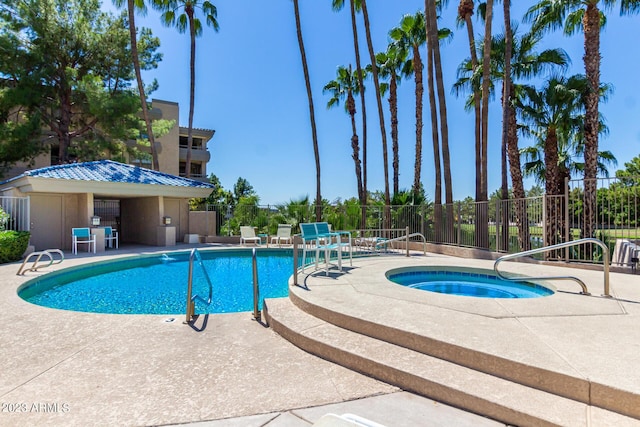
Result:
<point x="158" y="284"/>
<point x="466" y="283"/>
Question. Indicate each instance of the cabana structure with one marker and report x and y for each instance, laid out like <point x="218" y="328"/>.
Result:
<point x="151" y="208"/>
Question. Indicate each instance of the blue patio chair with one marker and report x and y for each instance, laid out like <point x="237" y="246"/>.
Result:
<point x="110" y="236"/>
<point x="83" y="236"/>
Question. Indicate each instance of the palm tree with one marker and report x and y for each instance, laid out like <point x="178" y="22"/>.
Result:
<point x="409" y="36"/>
<point x="433" y="44"/>
<point x="390" y="64"/>
<point x="345" y="86"/>
<point x="526" y="62"/>
<point x="554" y="117"/>
<point x="573" y="16"/>
<point x="383" y="131"/>
<point x="356" y="6"/>
<point x="312" y="116"/>
<point x="171" y="16"/>
<point x="482" y="225"/>
<point x="140" y="6"/>
<point x="465" y="12"/>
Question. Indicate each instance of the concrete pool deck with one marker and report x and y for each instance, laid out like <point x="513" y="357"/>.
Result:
<point x="82" y="369"/>
<point x="70" y="368"/>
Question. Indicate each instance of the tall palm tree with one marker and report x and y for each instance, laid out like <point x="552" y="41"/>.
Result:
<point x="573" y="16"/>
<point x="383" y="131"/>
<point x="410" y="36"/>
<point x="390" y="65"/>
<point x="132" y="5"/>
<point x="506" y="110"/>
<point x="345" y="86"/>
<point x="312" y="115"/>
<point x="182" y="15"/>
<point x="465" y="12"/>
<point x="356" y="6"/>
<point x="482" y="224"/>
<point x="433" y="43"/>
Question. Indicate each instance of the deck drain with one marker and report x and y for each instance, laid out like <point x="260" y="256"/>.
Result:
<point x="169" y="319"/>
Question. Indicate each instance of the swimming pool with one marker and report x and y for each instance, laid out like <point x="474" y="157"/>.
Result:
<point x="477" y="283"/>
<point x="157" y="284"/>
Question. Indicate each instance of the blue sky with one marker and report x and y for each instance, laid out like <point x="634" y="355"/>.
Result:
<point x="250" y="89"/>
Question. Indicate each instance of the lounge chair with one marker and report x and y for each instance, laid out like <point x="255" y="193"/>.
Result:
<point x="283" y="235"/>
<point x="83" y="235"/>
<point x="248" y="234"/>
<point x="110" y="236"/>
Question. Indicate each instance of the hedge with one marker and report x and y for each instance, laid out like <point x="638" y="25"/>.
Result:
<point x="12" y="245"/>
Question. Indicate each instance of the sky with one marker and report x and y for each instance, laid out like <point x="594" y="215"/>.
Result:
<point x="250" y="89"/>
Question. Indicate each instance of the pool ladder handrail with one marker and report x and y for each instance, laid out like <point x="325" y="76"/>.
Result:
<point x="585" y="291"/>
<point x="257" y="315"/>
<point x="35" y="266"/>
<point x="191" y="306"/>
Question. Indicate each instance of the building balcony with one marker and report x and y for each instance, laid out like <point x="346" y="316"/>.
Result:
<point x="197" y="155"/>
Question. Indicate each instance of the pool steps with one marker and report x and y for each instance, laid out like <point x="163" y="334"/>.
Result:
<point x="400" y="358"/>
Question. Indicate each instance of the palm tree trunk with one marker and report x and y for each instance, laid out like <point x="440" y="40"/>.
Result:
<point x="482" y="224"/>
<point x="591" y="24"/>
<point x="465" y="11"/>
<point x="351" y="107"/>
<point x="312" y="116"/>
<point x="376" y="83"/>
<point x="393" y="109"/>
<point x="417" y="73"/>
<point x="192" y="91"/>
<point x="444" y="126"/>
<point x="435" y="137"/>
<point x="506" y="103"/>
<point x="363" y="107"/>
<point x="516" y="181"/>
<point x="143" y="99"/>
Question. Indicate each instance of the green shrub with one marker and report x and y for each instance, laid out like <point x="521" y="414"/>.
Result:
<point x="12" y="245"/>
<point x="4" y="218"/>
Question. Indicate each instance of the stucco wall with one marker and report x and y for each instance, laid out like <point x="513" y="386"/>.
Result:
<point x="178" y="210"/>
<point x="169" y="152"/>
<point x="202" y="223"/>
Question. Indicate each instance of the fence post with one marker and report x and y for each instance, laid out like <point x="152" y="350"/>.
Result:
<point x="567" y="227"/>
<point x="407" y="235"/>
<point x="498" y="227"/>
<point x="459" y="236"/>
<point x="544" y="220"/>
<point x="295" y="261"/>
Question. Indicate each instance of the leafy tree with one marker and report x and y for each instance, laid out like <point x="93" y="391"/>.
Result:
<point x="183" y="21"/>
<point x="49" y="81"/>
<point x="630" y="175"/>
<point x="241" y="189"/>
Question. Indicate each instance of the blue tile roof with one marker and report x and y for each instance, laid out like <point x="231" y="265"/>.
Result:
<point x="110" y="171"/>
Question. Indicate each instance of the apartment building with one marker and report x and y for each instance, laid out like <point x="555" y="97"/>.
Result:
<point x="172" y="148"/>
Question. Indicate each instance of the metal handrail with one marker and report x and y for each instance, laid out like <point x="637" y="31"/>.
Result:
<point x="191" y="306"/>
<point x="35" y="266"/>
<point x="256" y="289"/>
<point x="585" y="291"/>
